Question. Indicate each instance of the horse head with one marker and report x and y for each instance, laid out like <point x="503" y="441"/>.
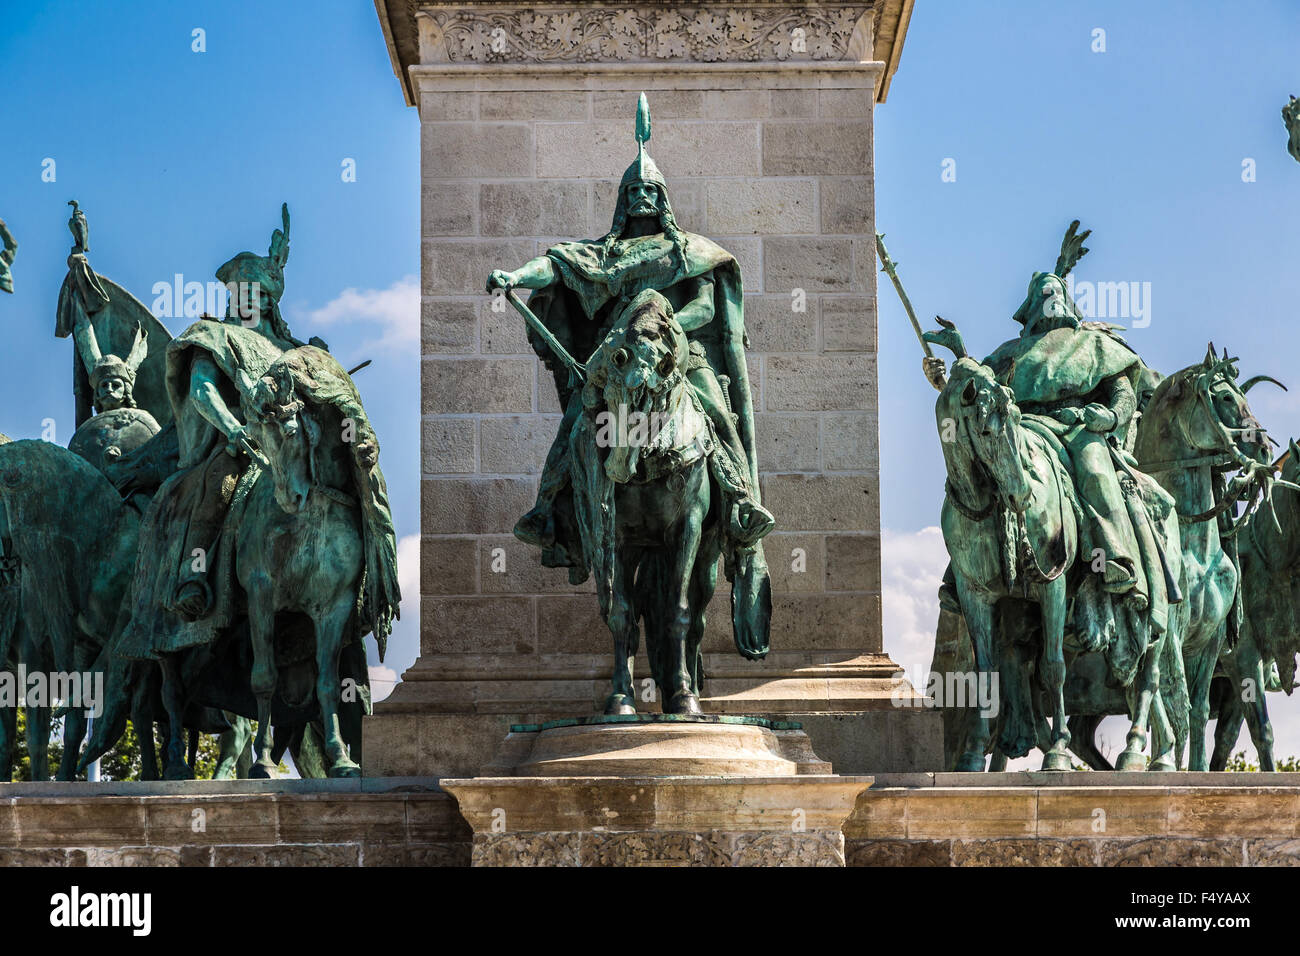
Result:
<point x="286" y="435"/>
<point x="638" y="375"/>
<point x="1202" y="411"/>
<point x="979" y="423"/>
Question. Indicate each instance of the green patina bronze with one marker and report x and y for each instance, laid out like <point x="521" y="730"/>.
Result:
<point x="659" y="312"/>
<point x="221" y="540"/>
<point x="8" y="249"/>
<point x="1091" y="521"/>
<point x="1291" y="117"/>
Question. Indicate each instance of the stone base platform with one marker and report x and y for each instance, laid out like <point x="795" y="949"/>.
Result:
<point x="658" y="790"/>
<point x="386" y="822"/>
<point x="1077" y="819"/>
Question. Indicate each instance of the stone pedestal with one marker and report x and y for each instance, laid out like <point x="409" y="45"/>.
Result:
<point x="762" y="125"/>
<point x="671" y="791"/>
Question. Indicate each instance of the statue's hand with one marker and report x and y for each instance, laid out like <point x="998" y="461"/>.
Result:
<point x="935" y="372"/>
<point x="235" y="439"/>
<point x="500" y="279"/>
<point x="367" y="453"/>
<point x="1099" y="418"/>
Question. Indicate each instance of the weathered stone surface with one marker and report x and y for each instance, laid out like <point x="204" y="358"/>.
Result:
<point x="471" y="150"/>
<point x="448" y="446"/>
<point x="797" y="383"/>
<point x="570" y="625"/>
<point x="508" y="566"/>
<point x="288" y="855"/>
<point x="526" y="849"/>
<point x="758" y="206"/>
<point x="848" y="324"/>
<point x="449" y="208"/>
<point x="850" y="442"/>
<point x="441" y="107"/>
<point x="1171" y="851"/>
<point x="813" y="264"/>
<point x="460" y="266"/>
<point x="774" y="325"/>
<point x="853" y="562"/>
<point x="448" y="565"/>
<point x="447" y="326"/>
<point x="461" y="386"/>
<point x="848" y="205"/>
<point x="474" y="505"/>
<point x="788" y="442"/>
<point x="461" y="625"/>
<point x="890" y="853"/>
<point x="532" y="105"/>
<point x="822" y="148"/>
<point x="794" y="104"/>
<point x="821" y="502"/>
<point x="796" y="562"/>
<point x="533" y="208"/>
<point x="516" y="444"/>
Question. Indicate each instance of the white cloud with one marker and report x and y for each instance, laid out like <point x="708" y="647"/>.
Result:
<point x="395" y="310"/>
<point x="404" y="642"/>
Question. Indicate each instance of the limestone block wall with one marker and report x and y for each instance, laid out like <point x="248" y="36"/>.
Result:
<point x="781" y="178"/>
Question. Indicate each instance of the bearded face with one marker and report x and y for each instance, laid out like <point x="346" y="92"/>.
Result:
<point x="1053" y="307"/>
<point x="112" y="393"/>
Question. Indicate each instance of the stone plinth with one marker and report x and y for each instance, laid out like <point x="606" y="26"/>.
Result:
<point x="1077" y="819"/>
<point x="390" y="822"/>
<point x="658" y="821"/>
<point x="666" y="791"/>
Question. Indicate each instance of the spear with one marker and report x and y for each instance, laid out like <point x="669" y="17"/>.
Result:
<point x="890" y="268"/>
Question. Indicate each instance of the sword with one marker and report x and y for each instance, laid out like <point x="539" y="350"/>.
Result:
<point x="536" y="324"/>
<point x="890" y="268"/>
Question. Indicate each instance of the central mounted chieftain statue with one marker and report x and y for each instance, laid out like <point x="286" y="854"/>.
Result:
<point x="660" y="312"/>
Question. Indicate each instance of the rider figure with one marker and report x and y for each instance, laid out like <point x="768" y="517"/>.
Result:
<point x="581" y="288"/>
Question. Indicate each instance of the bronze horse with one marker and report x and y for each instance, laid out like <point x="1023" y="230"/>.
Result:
<point x="650" y="509"/>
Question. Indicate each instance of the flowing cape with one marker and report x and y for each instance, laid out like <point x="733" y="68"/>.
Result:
<point x="1062" y="363"/>
<point x="321" y="381"/>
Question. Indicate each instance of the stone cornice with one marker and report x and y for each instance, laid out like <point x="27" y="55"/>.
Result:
<point x="491" y="33"/>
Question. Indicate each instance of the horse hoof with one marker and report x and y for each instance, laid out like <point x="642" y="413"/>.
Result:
<point x="1165" y="762"/>
<point x="1056" y="761"/>
<point x="970" y="763"/>
<point x="619" y="704"/>
<point x="683" y="703"/>
<point x="178" y="772"/>
<point x="261" y="771"/>
<point x="1129" y="761"/>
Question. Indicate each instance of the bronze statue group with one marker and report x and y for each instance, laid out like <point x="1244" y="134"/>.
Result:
<point x="213" y="545"/>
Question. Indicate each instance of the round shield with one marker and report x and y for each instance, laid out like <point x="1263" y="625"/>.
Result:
<point x="108" y="436"/>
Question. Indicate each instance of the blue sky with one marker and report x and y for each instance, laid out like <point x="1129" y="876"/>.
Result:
<point x="1144" y="143"/>
<point x="181" y="159"/>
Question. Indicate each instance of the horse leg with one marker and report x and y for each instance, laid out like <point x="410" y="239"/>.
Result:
<point x="1148" y="685"/>
<point x="329" y="645"/>
<point x="173" y="693"/>
<point x="1053" y="673"/>
<point x="978" y="609"/>
<point x="622" y="623"/>
<point x="38" y="742"/>
<point x="682" y="695"/>
<point x="1199" y="676"/>
<point x="8" y="739"/>
<point x="1256" y="710"/>
<point x="1227" y="728"/>
<point x="261" y="628"/>
<point x="1083" y="741"/>
<point x="998" y="761"/>
<point x="74" y="735"/>
<point x="234" y="744"/>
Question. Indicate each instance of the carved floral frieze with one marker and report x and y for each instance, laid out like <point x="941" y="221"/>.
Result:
<point x="591" y="33"/>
